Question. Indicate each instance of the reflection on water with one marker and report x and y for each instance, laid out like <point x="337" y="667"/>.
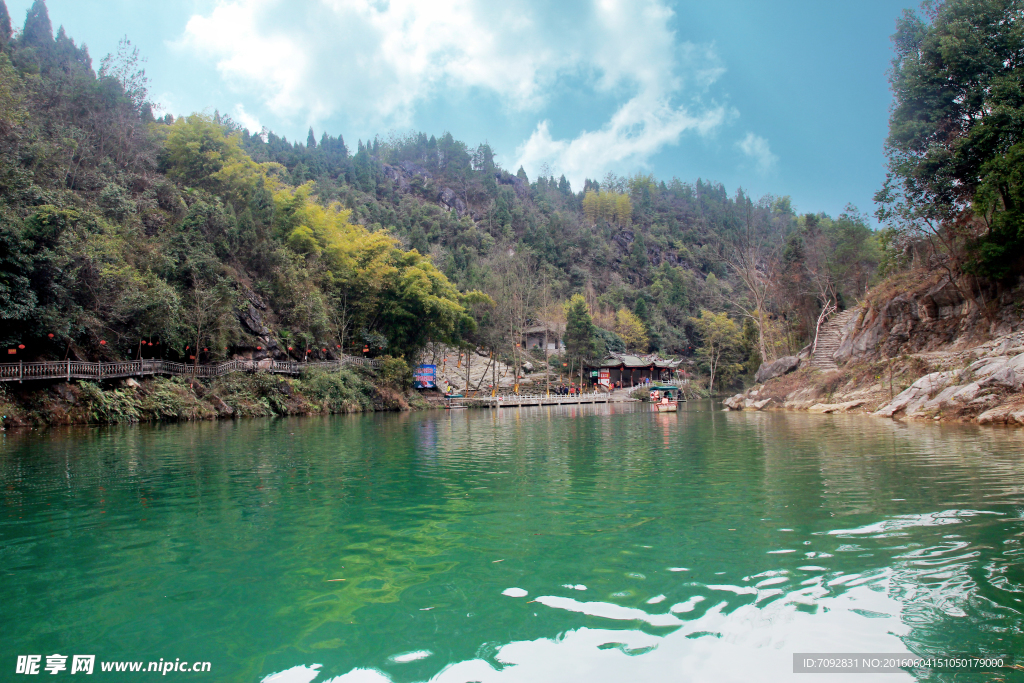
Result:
<point x="589" y="543"/>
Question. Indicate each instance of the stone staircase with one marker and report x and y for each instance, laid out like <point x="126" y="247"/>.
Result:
<point x="828" y="341"/>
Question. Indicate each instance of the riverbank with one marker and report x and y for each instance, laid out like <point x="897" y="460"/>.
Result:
<point x="176" y="399"/>
<point x="925" y="352"/>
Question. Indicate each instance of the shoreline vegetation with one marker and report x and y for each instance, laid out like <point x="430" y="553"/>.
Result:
<point x="129" y="233"/>
<point x="177" y="399"/>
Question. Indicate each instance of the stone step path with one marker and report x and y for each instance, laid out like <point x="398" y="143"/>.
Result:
<point x="828" y="340"/>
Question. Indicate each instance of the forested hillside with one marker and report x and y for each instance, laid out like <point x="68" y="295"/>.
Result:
<point x="123" y="234"/>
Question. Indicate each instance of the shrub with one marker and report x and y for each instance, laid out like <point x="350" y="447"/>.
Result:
<point x="395" y="373"/>
<point x="114" y="406"/>
<point x="172" y="399"/>
<point x="338" y="392"/>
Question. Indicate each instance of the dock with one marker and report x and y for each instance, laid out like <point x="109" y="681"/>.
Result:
<point x="523" y="400"/>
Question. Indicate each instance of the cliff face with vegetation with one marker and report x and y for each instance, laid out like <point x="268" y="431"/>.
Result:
<point x="916" y="348"/>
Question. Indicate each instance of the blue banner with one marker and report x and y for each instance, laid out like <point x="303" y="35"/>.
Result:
<point x="424" y="377"/>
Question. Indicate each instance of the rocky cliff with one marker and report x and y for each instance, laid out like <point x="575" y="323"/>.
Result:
<point x="918" y="347"/>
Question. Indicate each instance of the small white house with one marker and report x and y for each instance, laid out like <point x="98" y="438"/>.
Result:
<point x="533" y="337"/>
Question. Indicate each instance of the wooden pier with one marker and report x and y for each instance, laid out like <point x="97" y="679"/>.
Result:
<point x="68" y="370"/>
<point x="523" y="400"/>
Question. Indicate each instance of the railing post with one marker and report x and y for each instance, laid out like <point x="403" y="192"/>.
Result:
<point x="69" y="369"/>
<point x="21" y="370"/>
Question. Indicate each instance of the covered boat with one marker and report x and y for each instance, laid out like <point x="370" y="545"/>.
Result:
<point x="665" y="398"/>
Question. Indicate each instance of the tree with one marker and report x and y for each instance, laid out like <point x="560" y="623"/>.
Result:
<point x="203" y="153"/>
<point x="720" y="343"/>
<point x="38" y="30"/>
<point x="126" y="69"/>
<point x="751" y="255"/>
<point x="955" y="134"/>
<point x="204" y="314"/>
<point x="580" y="333"/>
<point x="640" y="310"/>
<point x="5" y="25"/>
<point x="607" y="205"/>
<point x="514" y="288"/>
<point x="376" y="285"/>
<point x="631" y="329"/>
<point x="311" y="139"/>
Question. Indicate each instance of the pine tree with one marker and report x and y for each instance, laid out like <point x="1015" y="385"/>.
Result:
<point x="640" y="310"/>
<point x="5" y="25"/>
<point x="311" y="139"/>
<point x="580" y="332"/>
<point x="38" y="30"/>
<point x="639" y="252"/>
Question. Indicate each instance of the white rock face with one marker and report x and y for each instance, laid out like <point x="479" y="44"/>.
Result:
<point x="911" y="398"/>
<point x="836" y="407"/>
<point x="1004" y="376"/>
<point x="734" y="402"/>
<point x="940" y="390"/>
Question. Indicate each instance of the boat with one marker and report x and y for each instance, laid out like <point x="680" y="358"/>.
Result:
<point x="665" y="398"/>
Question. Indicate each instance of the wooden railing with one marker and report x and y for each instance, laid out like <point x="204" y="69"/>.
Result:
<point x="73" y="369"/>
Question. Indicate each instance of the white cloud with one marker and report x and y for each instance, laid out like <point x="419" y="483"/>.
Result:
<point x="636" y="132"/>
<point x="375" y="61"/>
<point x="246" y="119"/>
<point x="756" y="148"/>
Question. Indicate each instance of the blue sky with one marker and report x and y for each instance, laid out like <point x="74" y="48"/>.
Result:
<point x="783" y="97"/>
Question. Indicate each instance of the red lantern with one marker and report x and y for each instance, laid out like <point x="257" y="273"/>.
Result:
<point x="149" y="344"/>
<point x="205" y="349"/>
<point x="50" y="335"/>
<point x="337" y="346"/>
<point x="324" y="350"/>
<point x="289" y="348"/>
<point x="259" y="348"/>
<point x="186" y="348"/>
<point x="21" y="346"/>
<point x="103" y="342"/>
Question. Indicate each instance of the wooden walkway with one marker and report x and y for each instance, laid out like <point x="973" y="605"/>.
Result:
<point x="522" y="400"/>
<point x="72" y="369"/>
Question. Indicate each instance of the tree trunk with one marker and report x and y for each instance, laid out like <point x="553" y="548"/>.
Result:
<point x="547" y="375"/>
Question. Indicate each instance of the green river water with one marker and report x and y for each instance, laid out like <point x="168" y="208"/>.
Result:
<point x="602" y="543"/>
